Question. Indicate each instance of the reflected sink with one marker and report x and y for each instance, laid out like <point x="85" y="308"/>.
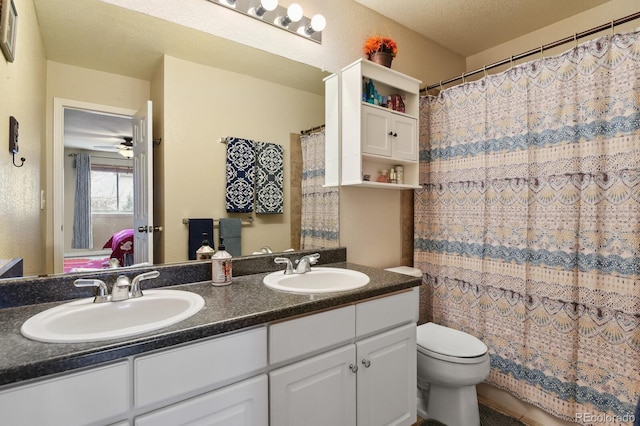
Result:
<point x="318" y="280"/>
<point x="85" y="321"/>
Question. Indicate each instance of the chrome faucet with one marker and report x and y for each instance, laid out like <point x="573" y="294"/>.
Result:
<point x="284" y="260"/>
<point x="304" y="263"/>
<point x="136" y="291"/>
<point x="120" y="290"/>
<point x="123" y="288"/>
<point x="103" y="292"/>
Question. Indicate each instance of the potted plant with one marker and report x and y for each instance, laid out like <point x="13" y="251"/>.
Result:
<point x="381" y="49"/>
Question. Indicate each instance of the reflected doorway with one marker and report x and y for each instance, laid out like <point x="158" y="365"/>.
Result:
<point x="106" y="134"/>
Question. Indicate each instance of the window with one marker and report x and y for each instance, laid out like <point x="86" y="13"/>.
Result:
<point x="111" y="189"/>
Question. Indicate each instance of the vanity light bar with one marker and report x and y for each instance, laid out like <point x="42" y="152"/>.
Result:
<point x="289" y="18"/>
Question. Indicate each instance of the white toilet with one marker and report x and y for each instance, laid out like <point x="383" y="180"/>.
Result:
<point x="450" y="365"/>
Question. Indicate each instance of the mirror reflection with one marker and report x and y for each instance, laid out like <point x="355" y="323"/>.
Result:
<point x="202" y="87"/>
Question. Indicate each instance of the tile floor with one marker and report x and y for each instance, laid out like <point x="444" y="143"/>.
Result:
<point x="488" y="417"/>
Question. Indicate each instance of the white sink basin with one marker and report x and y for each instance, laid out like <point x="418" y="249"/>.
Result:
<point x="85" y="321"/>
<point x="318" y="280"/>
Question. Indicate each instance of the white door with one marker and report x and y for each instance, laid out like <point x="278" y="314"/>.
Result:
<point x="404" y="139"/>
<point x="387" y="378"/>
<point x="318" y="391"/>
<point x="143" y="185"/>
<point x="375" y="131"/>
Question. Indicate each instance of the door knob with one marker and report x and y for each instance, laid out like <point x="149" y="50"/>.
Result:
<point x="366" y="363"/>
<point x="395" y="135"/>
<point x="353" y="368"/>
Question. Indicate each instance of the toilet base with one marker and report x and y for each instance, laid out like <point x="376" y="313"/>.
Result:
<point x="454" y="406"/>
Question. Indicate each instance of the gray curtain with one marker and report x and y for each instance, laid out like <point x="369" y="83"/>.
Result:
<point x="82" y="233"/>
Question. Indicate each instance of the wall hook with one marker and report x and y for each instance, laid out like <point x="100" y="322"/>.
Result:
<point x="21" y="159"/>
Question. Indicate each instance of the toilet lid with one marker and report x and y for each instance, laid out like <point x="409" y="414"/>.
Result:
<point x="448" y="341"/>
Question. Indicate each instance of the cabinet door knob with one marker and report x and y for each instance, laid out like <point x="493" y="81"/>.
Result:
<point x="395" y="135"/>
<point x="353" y="368"/>
<point x="366" y="363"/>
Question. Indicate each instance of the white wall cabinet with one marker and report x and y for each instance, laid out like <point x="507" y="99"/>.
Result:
<point x="388" y="134"/>
<point x="367" y="137"/>
<point x="368" y="382"/>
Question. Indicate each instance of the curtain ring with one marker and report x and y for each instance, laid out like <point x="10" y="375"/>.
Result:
<point x="575" y="39"/>
<point x="511" y="60"/>
<point x="542" y="52"/>
<point x="484" y="68"/>
<point x="613" y="31"/>
<point x="463" y="80"/>
<point x="441" y="85"/>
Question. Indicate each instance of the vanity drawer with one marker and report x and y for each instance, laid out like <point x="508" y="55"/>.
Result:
<point x="386" y="312"/>
<point x="303" y="336"/>
<point x="201" y="366"/>
<point x="87" y="397"/>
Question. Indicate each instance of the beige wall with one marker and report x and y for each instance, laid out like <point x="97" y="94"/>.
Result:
<point x="592" y="18"/>
<point x="22" y="96"/>
<point x="201" y="105"/>
<point x="86" y="85"/>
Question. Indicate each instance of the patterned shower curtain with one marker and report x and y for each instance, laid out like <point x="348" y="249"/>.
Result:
<point x="528" y="226"/>
<point x="320" y="215"/>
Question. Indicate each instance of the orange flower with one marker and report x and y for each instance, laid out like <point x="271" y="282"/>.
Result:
<point x="380" y="44"/>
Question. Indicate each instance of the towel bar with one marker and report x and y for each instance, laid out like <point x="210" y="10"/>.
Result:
<point x="245" y="221"/>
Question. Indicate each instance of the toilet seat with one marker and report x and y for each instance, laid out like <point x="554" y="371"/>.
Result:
<point x="449" y="344"/>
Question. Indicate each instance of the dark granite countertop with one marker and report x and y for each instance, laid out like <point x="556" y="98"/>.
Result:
<point x="245" y="303"/>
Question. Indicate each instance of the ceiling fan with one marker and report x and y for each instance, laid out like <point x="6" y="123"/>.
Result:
<point x="123" y="148"/>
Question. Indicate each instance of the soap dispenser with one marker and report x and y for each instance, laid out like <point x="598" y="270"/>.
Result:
<point x="221" y="272"/>
<point x="205" y="251"/>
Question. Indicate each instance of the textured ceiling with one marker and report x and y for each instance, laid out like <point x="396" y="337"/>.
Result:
<point x="470" y="26"/>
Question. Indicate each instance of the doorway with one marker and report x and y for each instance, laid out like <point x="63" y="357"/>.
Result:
<point x="107" y="134"/>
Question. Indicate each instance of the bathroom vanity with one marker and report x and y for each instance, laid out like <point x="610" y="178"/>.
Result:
<point x="252" y="355"/>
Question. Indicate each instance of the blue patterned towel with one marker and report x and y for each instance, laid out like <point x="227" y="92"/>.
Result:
<point x="269" y="176"/>
<point x="241" y="163"/>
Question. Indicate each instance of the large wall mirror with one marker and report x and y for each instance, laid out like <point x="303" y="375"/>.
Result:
<point x="87" y="43"/>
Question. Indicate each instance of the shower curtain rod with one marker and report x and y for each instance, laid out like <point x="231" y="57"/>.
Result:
<point x="540" y="50"/>
<point x="311" y="130"/>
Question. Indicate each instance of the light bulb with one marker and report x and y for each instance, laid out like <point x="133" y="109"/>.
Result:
<point x="228" y="3"/>
<point x="318" y="23"/>
<point x="264" y="7"/>
<point x="269" y="4"/>
<point x="294" y="12"/>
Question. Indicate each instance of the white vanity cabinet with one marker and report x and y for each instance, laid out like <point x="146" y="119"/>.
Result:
<point x="86" y="397"/>
<point x="363" y="138"/>
<point x="368" y="380"/>
<point x="221" y="379"/>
